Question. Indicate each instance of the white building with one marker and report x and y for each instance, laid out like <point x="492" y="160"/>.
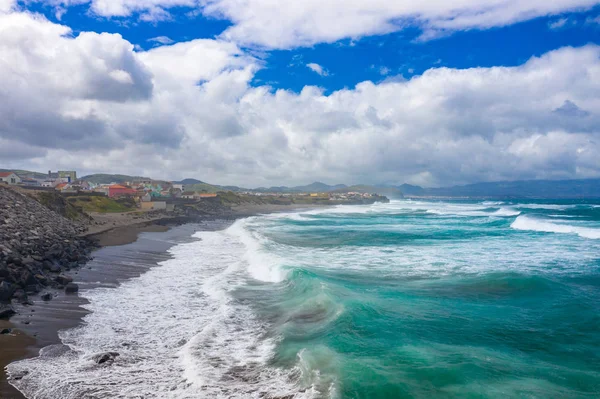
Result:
<point x="9" y="178"/>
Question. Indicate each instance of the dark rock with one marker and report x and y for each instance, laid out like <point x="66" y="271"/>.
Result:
<point x="5" y="331"/>
<point x="63" y="280"/>
<point x="71" y="288"/>
<point x="107" y="357"/>
<point x="19" y="376"/>
<point x="46" y="296"/>
<point x="6" y="291"/>
<point x="20" y="295"/>
<point x="32" y="289"/>
<point x="6" y="311"/>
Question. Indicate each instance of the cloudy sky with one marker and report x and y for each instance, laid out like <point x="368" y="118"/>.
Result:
<point x="270" y="92"/>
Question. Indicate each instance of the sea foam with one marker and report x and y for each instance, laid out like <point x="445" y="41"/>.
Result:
<point x="531" y="224"/>
<point x="179" y="331"/>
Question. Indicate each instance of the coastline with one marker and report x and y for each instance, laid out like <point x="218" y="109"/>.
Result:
<point x="35" y="327"/>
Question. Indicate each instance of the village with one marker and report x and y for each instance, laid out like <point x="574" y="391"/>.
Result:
<point x="149" y="194"/>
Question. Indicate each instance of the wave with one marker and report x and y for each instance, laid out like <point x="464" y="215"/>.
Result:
<point x="180" y="333"/>
<point x="262" y="265"/>
<point x="530" y="224"/>
<point x="502" y="212"/>
<point x="547" y="206"/>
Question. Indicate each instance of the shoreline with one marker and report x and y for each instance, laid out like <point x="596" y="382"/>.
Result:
<point x="35" y="327"/>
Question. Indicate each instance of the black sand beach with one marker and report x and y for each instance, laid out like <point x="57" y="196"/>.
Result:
<point x="37" y="326"/>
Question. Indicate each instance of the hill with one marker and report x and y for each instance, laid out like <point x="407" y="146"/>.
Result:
<point x="26" y="173"/>
<point x="316" y="187"/>
<point x="189" y="181"/>
<point x="101" y="178"/>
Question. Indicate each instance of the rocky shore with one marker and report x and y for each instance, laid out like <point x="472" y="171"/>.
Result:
<point x="36" y="246"/>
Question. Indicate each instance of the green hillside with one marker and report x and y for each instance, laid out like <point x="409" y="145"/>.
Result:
<point x="101" y="178"/>
<point x="26" y="173"/>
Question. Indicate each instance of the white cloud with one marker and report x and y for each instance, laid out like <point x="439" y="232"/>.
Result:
<point x="317" y="69"/>
<point x="92" y="103"/>
<point x="161" y="40"/>
<point x="561" y="23"/>
<point x="7" y="5"/>
<point x="273" y="24"/>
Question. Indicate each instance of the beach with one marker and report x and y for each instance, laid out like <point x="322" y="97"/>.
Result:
<point x="121" y="237"/>
<point x="127" y="252"/>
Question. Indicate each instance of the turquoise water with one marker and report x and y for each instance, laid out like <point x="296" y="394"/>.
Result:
<point x="433" y="299"/>
<point x="412" y="299"/>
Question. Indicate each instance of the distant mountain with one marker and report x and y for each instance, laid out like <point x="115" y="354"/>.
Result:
<point x="586" y="188"/>
<point x="316" y="187"/>
<point x="189" y="181"/>
<point x="101" y="178"/>
<point x="409" y="189"/>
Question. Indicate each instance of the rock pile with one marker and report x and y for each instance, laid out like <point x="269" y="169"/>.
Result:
<point x="36" y="245"/>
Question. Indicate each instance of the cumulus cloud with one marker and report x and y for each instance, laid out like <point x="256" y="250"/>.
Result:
<point x="92" y="103"/>
<point x="7" y="5"/>
<point x="275" y="25"/>
<point x="318" y="69"/>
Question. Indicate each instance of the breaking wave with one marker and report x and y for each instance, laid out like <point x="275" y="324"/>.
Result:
<point x="531" y="224"/>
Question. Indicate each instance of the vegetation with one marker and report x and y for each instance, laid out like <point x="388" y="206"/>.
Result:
<point x="101" y="178"/>
<point x="58" y="204"/>
<point x="102" y="204"/>
<point x="203" y="188"/>
<point x="28" y="173"/>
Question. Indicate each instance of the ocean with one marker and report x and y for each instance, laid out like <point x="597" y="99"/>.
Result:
<point x="411" y="299"/>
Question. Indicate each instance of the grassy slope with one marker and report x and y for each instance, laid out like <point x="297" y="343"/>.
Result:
<point x="101" y="178"/>
<point x="21" y="173"/>
<point x="102" y="204"/>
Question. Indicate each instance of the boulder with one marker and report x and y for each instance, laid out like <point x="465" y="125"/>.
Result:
<point x="6" y="311"/>
<point x="106" y="357"/>
<point x="6" y="291"/>
<point x="46" y="296"/>
<point x="71" y="288"/>
<point x="63" y="280"/>
<point x="5" y="331"/>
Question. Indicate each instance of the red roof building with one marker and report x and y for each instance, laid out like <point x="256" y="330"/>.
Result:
<point x="117" y="190"/>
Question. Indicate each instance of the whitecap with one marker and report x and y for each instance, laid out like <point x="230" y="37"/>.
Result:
<point x="531" y="224"/>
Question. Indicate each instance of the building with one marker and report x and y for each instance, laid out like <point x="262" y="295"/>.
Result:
<point x="117" y="190"/>
<point x="30" y="182"/>
<point x="70" y="175"/>
<point x="146" y="198"/>
<point x="197" y="195"/>
<point x="9" y="178"/>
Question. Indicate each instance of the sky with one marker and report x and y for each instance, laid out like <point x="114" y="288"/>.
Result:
<point x="267" y="92"/>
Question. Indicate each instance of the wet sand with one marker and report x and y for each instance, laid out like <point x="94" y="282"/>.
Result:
<point x="38" y="326"/>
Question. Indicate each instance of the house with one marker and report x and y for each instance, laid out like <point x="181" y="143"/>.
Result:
<point x="9" y="178"/>
<point x="69" y="175"/>
<point x="197" y="195"/>
<point x="30" y="182"/>
<point x="117" y="190"/>
<point x="178" y="187"/>
<point x="62" y="186"/>
<point x="146" y="197"/>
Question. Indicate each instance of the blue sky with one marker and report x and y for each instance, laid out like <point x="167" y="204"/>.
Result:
<point x="259" y="93"/>
<point x="350" y="61"/>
